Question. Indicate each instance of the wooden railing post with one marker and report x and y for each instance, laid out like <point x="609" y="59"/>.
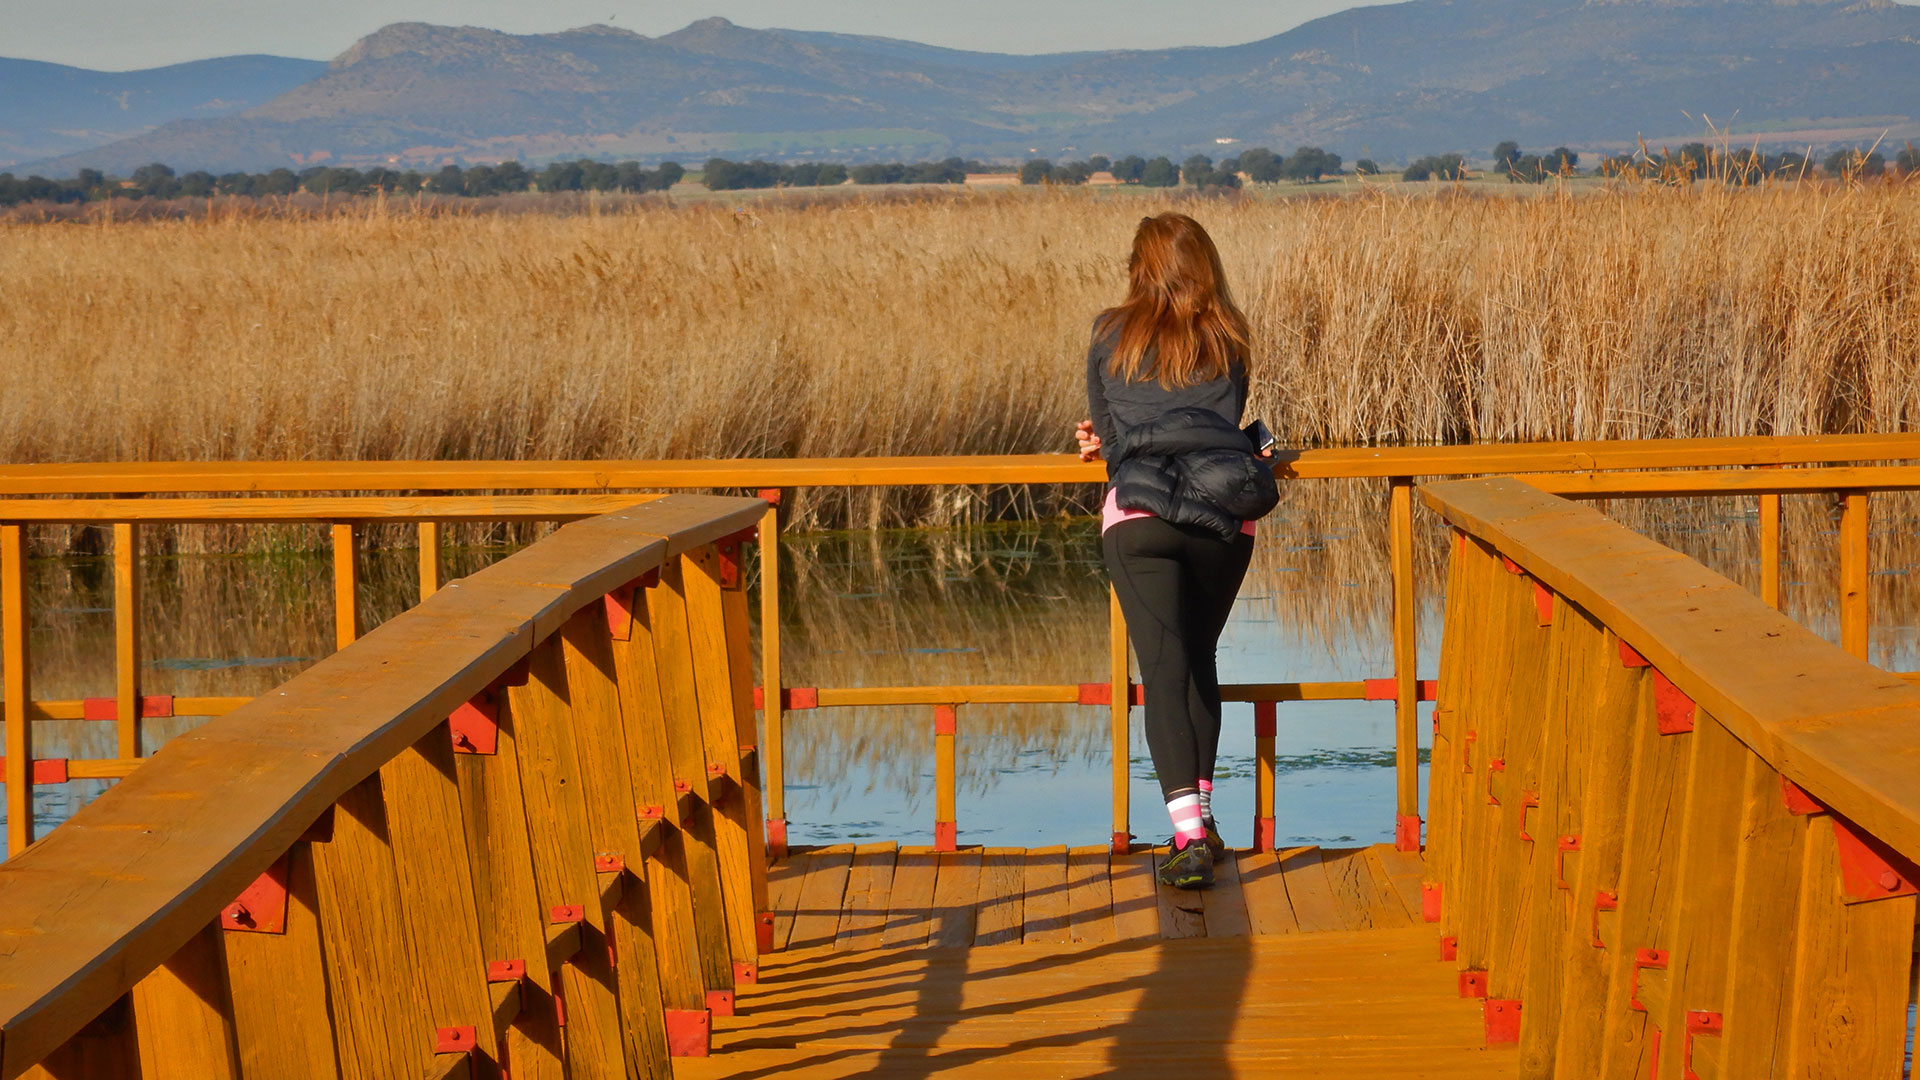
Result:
<point x="772" y="758"/>
<point x="346" y="587"/>
<point x="1120" y="699"/>
<point x="1855" y="563"/>
<point x="1265" y="713"/>
<point x="14" y="627"/>
<point x="1406" y="658"/>
<point x="945" y="813"/>
<point x="429" y="558"/>
<point x="126" y="638"/>
<point x="1770" y="550"/>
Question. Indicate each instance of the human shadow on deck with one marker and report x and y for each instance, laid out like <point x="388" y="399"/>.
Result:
<point x="1129" y="1008"/>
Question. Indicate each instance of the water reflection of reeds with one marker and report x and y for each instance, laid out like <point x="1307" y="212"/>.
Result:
<point x="1005" y="604"/>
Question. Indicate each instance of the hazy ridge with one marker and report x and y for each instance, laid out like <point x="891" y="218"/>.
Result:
<point x="1389" y="81"/>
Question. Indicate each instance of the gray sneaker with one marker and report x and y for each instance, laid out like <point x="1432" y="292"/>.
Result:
<point x="1191" y="867"/>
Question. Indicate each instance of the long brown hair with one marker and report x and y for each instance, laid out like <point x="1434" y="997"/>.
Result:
<point x="1178" y="324"/>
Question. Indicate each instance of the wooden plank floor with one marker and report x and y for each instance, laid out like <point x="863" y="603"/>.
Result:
<point x="877" y="895"/>
<point x="1072" y="963"/>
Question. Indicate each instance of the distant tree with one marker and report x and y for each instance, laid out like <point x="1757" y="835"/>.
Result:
<point x="1852" y="164"/>
<point x="1505" y="155"/>
<point x="829" y="175"/>
<point x="1196" y="169"/>
<point x="155" y="180"/>
<point x="513" y="176"/>
<point x="1100" y="163"/>
<point x="90" y="181"/>
<point x="1073" y="172"/>
<point x="1036" y="171"/>
<point x="1308" y="164"/>
<point x="1261" y="165"/>
<point x="1366" y="167"/>
<point x="1160" y="172"/>
<point x="277" y="182"/>
<point x="451" y="181"/>
<point x="194" y="185"/>
<point x="1436" y="167"/>
<point x="1561" y="161"/>
<point x="1128" y="169"/>
<point x="1907" y="160"/>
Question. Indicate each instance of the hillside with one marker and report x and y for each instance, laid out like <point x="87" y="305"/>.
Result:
<point x="51" y="109"/>
<point x="1390" y="81"/>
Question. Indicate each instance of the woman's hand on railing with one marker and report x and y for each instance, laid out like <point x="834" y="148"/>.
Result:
<point x="1089" y="442"/>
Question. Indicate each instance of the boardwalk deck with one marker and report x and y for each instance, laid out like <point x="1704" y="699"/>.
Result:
<point x="1227" y="985"/>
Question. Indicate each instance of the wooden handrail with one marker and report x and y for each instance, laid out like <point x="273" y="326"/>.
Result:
<point x="1672" y="825"/>
<point x="1843" y="729"/>
<point x="1346" y="462"/>
<point x="296" y="511"/>
<point x="134" y="877"/>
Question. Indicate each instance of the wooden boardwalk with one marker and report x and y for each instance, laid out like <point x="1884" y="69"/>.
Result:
<point x="910" y="962"/>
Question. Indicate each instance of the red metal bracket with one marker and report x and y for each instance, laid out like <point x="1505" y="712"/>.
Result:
<point x="720" y="1002"/>
<point x="745" y="974"/>
<point x="1510" y="566"/>
<point x="1263" y="834"/>
<point x="1122" y="843"/>
<point x="1630" y="656"/>
<point x="652" y="812"/>
<point x="776" y="838"/>
<point x="1497" y="765"/>
<point x="609" y="862"/>
<point x="453" y="1040"/>
<point x="728" y="548"/>
<point x="1387" y="689"/>
<point x="499" y="971"/>
<point x="1099" y="693"/>
<point x="1698" y="1023"/>
<point x="1431" y="895"/>
<point x="946" y="836"/>
<point x="1528" y="801"/>
<point x="945" y="720"/>
<point x="1543" y="603"/>
<point x="620" y="613"/>
<point x="689" y="1032"/>
<point x="716" y="770"/>
<point x="1604" y="900"/>
<point x="1406" y="832"/>
<point x="40" y="771"/>
<point x="763" y="932"/>
<point x="1644" y="958"/>
<point x="562" y="914"/>
<point x="1466" y="751"/>
<point x="1565" y="844"/>
<point x="1266" y="715"/>
<point x="1501" y="1017"/>
<point x="262" y="906"/>
<point x="1869" y="870"/>
<point x="559" y="1006"/>
<point x="1449" y="949"/>
<point x="769" y="495"/>
<point x="152" y="706"/>
<point x="1797" y="799"/>
<point x="792" y="698"/>
<point x="1473" y="984"/>
<point x="475" y="726"/>
<point x="1673" y="710"/>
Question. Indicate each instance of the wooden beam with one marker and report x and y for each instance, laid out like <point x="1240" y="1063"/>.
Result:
<point x="126" y="638"/>
<point x="1406" y="658"/>
<point x="1119" y="705"/>
<point x="15" y="625"/>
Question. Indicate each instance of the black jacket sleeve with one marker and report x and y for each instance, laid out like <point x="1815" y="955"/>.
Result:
<point x="1098" y="354"/>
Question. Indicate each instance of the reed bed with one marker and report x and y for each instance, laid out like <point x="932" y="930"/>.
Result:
<point x="945" y="325"/>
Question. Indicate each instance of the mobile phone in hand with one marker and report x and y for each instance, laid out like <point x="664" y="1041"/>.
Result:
<point x="1259" y="436"/>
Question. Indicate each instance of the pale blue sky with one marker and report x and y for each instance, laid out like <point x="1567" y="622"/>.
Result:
<point x="124" y="34"/>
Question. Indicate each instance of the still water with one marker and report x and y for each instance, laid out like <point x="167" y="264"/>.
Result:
<point x="1010" y="603"/>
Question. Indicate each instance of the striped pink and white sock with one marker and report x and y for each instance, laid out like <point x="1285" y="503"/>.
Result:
<point x="1188" y="825"/>
<point x="1206" y="800"/>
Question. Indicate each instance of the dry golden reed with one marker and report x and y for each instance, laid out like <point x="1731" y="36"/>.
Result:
<point x="948" y="325"/>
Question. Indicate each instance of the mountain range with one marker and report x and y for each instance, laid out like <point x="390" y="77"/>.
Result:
<point x="1388" y="81"/>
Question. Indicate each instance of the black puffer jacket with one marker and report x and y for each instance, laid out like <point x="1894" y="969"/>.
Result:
<point x="1191" y="466"/>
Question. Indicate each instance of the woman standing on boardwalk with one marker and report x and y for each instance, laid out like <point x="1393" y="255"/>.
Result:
<point x="1166" y="384"/>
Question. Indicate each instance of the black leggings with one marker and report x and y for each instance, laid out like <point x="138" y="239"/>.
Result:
<point x="1176" y="586"/>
